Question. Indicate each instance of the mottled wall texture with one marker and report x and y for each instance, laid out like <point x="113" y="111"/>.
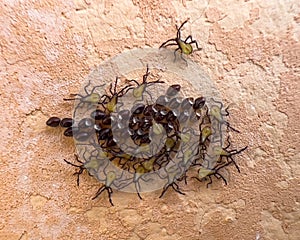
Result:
<point x="250" y="50"/>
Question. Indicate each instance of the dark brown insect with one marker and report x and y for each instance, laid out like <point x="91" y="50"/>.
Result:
<point x="53" y="122"/>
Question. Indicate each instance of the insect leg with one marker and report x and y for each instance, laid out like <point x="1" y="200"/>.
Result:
<point x="165" y="43"/>
<point x="100" y="190"/>
<point x="110" y="191"/>
<point x="164" y="190"/>
<point x="137" y="188"/>
<point x="176" y="188"/>
<point x="175" y="53"/>
<point x="196" y="43"/>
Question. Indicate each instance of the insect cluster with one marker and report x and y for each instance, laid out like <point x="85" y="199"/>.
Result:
<point x="151" y="144"/>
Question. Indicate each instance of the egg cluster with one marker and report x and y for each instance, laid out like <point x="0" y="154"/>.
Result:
<point x="146" y="145"/>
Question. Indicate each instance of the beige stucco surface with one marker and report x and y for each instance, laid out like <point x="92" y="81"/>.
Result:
<point x="251" y="51"/>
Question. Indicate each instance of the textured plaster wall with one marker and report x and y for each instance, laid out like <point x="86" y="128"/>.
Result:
<point x="250" y="50"/>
